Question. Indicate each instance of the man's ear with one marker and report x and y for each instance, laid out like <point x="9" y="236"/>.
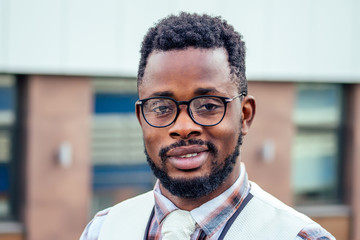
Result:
<point x="138" y="113"/>
<point x="248" y="108"/>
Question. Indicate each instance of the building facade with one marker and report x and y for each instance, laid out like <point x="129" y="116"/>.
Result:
<point x="70" y="143"/>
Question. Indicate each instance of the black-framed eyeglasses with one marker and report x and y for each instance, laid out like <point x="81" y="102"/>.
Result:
<point x="207" y="110"/>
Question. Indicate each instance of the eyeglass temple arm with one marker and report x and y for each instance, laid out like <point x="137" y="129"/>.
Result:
<point x="240" y="95"/>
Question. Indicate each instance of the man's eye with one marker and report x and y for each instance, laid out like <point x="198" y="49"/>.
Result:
<point x="162" y="110"/>
<point x="208" y="107"/>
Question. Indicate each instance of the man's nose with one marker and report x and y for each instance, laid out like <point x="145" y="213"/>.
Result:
<point x="184" y="127"/>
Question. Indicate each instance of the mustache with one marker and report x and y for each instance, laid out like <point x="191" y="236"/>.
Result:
<point x="211" y="147"/>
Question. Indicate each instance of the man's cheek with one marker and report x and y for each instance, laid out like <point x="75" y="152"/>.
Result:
<point x="151" y="147"/>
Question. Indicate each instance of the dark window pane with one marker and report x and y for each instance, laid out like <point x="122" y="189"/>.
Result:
<point x="6" y="130"/>
<point x="316" y="148"/>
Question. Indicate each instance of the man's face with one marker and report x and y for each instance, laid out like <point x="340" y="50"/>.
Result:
<point x="185" y="151"/>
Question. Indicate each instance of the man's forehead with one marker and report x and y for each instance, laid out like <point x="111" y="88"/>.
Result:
<point x="197" y="71"/>
<point x="187" y="91"/>
<point x="204" y="63"/>
<point x="174" y="54"/>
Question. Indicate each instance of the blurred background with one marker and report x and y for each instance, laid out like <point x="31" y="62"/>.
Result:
<point x="70" y="143"/>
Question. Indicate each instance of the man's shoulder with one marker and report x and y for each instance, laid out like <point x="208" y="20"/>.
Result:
<point x="277" y="215"/>
<point x="313" y="232"/>
<point x="141" y="199"/>
<point x="92" y="230"/>
<point x="281" y="208"/>
<point x="275" y="219"/>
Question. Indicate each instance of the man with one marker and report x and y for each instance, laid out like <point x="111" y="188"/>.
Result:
<point x="194" y="109"/>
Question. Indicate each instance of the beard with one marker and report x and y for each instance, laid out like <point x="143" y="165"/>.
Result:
<point x="199" y="186"/>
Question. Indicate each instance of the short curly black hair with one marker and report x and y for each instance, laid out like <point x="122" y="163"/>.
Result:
<point x="198" y="31"/>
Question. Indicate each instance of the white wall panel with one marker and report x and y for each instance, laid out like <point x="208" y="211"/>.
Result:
<point x="305" y="40"/>
<point x="93" y="34"/>
<point x="36" y="34"/>
<point x="4" y="29"/>
<point x="105" y="37"/>
<point x="286" y="39"/>
<point x="138" y="17"/>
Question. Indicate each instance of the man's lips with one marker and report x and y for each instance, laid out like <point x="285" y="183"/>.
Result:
<point x="181" y="151"/>
<point x="188" y="157"/>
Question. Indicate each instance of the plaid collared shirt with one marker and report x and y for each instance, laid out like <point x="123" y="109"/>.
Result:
<point x="211" y="217"/>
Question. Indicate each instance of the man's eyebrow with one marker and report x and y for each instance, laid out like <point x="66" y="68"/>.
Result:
<point x="198" y="91"/>
<point x="162" y="94"/>
<point x="204" y="91"/>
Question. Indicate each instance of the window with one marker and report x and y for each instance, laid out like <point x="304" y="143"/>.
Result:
<point x="119" y="166"/>
<point x="316" y="148"/>
<point x="6" y="135"/>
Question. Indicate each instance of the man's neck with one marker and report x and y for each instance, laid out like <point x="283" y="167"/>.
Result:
<point x="192" y="203"/>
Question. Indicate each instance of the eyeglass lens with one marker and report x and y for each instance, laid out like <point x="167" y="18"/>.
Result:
<point x="204" y="110"/>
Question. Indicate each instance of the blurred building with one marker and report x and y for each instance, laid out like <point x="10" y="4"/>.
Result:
<point x="70" y="143"/>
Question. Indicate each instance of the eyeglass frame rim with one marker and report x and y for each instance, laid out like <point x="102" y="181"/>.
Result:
<point x="225" y="100"/>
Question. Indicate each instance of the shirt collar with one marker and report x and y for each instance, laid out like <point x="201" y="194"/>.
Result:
<point x="212" y="215"/>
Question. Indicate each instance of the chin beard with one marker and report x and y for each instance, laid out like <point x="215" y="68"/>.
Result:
<point x="199" y="186"/>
